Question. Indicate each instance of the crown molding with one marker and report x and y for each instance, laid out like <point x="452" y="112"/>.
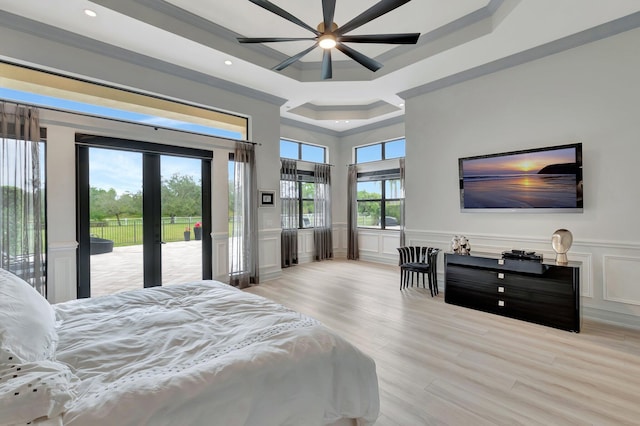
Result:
<point x="581" y="38"/>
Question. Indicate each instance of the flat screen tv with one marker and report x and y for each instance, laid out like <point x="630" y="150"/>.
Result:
<point x="545" y="179"/>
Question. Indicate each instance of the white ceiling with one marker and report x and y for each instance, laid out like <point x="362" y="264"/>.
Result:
<point x="457" y="36"/>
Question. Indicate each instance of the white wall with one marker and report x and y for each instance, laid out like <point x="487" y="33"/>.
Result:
<point x="588" y="94"/>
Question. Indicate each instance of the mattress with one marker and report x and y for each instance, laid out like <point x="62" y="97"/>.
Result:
<point x="205" y="353"/>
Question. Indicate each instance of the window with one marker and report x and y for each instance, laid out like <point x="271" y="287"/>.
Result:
<point x="302" y="151"/>
<point x="380" y="196"/>
<point x="381" y="151"/>
<point x="302" y="193"/>
<point x="85" y="97"/>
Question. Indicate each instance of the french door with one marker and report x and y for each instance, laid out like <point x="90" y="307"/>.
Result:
<point x="143" y="214"/>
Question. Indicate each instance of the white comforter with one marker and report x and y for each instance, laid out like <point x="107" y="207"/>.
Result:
<point x="205" y="353"/>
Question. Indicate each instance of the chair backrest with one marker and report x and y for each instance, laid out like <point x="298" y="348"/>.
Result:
<point x="404" y="255"/>
<point x="414" y="254"/>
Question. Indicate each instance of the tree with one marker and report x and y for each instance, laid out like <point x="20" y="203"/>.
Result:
<point x="106" y="203"/>
<point x="181" y="196"/>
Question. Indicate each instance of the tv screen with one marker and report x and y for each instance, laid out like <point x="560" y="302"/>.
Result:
<point x="533" y="180"/>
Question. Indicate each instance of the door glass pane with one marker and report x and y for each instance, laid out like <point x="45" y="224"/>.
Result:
<point x="181" y="219"/>
<point x="115" y="211"/>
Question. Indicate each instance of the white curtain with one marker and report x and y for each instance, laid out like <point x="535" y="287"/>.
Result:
<point x="289" y="212"/>
<point x="322" y="231"/>
<point x="402" y="215"/>
<point x="352" y="213"/>
<point x="244" y="268"/>
<point x="21" y="197"/>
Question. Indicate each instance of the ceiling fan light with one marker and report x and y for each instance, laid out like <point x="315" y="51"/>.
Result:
<point x="327" y="41"/>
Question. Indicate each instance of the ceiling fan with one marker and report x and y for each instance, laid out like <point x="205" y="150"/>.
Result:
<point x="329" y="35"/>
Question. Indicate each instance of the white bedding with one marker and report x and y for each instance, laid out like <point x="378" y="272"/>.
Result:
<point x="205" y="353"/>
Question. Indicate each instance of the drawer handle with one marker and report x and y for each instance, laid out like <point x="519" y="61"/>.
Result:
<point x="500" y="275"/>
<point x="501" y="303"/>
<point x="500" y="289"/>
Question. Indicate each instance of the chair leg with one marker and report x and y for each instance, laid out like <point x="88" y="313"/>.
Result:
<point x="430" y="285"/>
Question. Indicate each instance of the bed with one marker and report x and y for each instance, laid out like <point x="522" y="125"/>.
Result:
<point x="201" y="353"/>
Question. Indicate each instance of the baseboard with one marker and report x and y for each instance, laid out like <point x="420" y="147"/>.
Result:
<point x="610" y="317"/>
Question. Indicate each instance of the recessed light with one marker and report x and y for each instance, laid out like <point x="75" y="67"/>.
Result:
<point x="337" y="121"/>
<point x="401" y="104"/>
<point x="90" y="13"/>
<point x="346" y="121"/>
<point x="228" y="62"/>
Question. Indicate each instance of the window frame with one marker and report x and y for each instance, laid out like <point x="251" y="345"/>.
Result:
<point x="385" y="176"/>
<point x="383" y="150"/>
<point x="300" y="144"/>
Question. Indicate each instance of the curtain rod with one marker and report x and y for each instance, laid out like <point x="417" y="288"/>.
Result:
<point x="155" y="127"/>
<point x="307" y="161"/>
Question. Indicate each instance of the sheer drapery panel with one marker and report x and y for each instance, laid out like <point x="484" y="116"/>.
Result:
<point x="322" y="226"/>
<point x="244" y="267"/>
<point x="402" y="209"/>
<point x="289" y="212"/>
<point x="22" y="223"/>
<point x="352" y="213"/>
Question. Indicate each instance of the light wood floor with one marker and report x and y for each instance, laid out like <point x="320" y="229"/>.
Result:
<point x="440" y="364"/>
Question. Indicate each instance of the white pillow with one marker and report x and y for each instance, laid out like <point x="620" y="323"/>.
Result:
<point x="38" y="390"/>
<point x="27" y="322"/>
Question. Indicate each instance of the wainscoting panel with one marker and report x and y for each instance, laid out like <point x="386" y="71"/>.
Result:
<point x="340" y="240"/>
<point x="620" y="279"/>
<point x="609" y="287"/>
<point x="270" y="249"/>
<point x="220" y="256"/>
<point x="379" y="246"/>
<point x="61" y="271"/>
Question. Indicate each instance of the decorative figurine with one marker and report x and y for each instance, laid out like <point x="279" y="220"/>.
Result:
<point x="465" y="246"/>
<point x="455" y="244"/>
<point x="561" y="241"/>
<point x="460" y="245"/>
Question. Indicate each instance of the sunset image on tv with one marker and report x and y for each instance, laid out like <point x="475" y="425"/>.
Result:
<point x="541" y="179"/>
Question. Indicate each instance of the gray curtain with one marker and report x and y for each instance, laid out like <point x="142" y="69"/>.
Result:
<point x="352" y="213"/>
<point x="402" y="215"/>
<point x="289" y="212"/>
<point x="21" y="197"/>
<point x="244" y="268"/>
<point x="322" y="224"/>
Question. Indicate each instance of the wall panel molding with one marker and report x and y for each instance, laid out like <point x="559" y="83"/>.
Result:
<point x="620" y="279"/>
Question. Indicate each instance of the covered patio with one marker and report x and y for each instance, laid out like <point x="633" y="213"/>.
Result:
<point x="122" y="269"/>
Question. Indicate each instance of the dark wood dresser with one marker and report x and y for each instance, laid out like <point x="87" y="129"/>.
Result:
<point x="534" y="291"/>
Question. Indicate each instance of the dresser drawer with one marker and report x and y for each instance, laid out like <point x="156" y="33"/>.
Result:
<point x="542" y="293"/>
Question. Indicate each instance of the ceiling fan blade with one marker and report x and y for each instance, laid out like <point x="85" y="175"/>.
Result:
<point x="283" y="14"/>
<point x="375" y="11"/>
<point x="328" y="10"/>
<point x="327" y="71"/>
<point x="404" y="38"/>
<point x="282" y="65"/>
<point x="363" y="60"/>
<point x="269" y="39"/>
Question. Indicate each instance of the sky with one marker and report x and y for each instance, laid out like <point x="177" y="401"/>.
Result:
<point x="528" y="163"/>
<point x="122" y="170"/>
